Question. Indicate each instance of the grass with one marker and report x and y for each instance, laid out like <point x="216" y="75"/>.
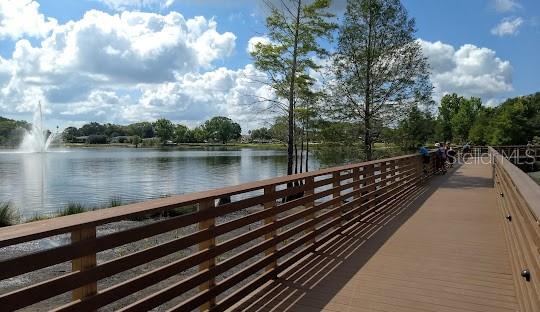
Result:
<point x="73" y="208"/>
<point x="116" y="201"/>
<point x="8" y="214"/>
<point x="37" y="217"/>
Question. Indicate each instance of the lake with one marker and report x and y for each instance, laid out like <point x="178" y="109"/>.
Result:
<point x="44" y="183"/>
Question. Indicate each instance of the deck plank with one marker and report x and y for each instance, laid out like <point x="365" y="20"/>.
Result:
<point x="444" y="251"/>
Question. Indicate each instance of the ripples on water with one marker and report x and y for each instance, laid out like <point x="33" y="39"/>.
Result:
<point x="45" y="183"/>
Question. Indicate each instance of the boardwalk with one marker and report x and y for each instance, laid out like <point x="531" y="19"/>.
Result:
<point x="443" y="251"/>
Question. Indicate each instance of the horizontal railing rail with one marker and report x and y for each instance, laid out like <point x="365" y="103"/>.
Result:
<point x="519" y="202"/>
<point x="206" y="259"/>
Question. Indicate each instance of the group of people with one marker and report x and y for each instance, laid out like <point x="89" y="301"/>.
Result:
<point x="445" y="156"/>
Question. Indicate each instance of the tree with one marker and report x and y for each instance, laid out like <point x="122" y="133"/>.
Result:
<point x="69" y="134"/>
<point x="182" y="134"/>
<point x="449" y="107"/>
<point x="92" y="128"/>
<point x="136" y="140"/>
<point x="465" y="117"/>
<point x="416" y="129"/>
<point x="261" y="134"/>
<point x="222" y="129"/>
<point x="294" y="29"/>
<point x="199" y="135"/>
<point x="164" y="129"/>
<point x="379" y="67"/>
<point x="143" y="129"/>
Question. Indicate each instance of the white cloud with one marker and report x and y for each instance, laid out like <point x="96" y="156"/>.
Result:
<point x="111" y="51"/>
<point x="253" y="42"/>
<point x="506" y="5"/>
<point x="121" y="5"/>
<point x="195" y="97"/>
<point x="19" y="18"/>
<point x="507" y="27"/>
<point x="129" y="67"/>
<point x="468" y="71"/>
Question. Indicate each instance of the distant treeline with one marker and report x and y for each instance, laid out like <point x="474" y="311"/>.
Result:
<point x="12" y="131"/>
<point x="217" y="129"/>
<point x="514" y="122"/>
<point x="458" y="120"/>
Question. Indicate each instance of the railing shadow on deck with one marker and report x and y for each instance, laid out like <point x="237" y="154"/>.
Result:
<point x="470" y="182"/>
<point x="308" y="281"/>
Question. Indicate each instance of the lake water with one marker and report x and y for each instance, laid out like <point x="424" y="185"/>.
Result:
<point x="45" y="183"/>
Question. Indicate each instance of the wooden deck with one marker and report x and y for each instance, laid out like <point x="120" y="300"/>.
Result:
<point x="445" y="250"/>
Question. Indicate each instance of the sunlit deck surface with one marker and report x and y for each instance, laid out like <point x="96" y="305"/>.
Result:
<point x="445" y="250"/>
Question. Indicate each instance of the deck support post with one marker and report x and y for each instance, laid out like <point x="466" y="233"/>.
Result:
<point x="336" y="176"/>
<point x="84" y="263"/>
<point x="356" y="187"/>
<point x="207" y="244"/>
<point x="269" y="190"/>
<point x="310" y="181"/>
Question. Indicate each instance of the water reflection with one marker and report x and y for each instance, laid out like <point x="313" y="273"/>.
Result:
<point x="45" y="183"/>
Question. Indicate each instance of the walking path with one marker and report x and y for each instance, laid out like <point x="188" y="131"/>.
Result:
<point x="443" y="251"/>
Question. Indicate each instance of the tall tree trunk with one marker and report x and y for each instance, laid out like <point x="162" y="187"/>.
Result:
<point x="367" y="106"/>
<point x="290" y="141"/>
<point x="302" y="153"/>
<point x="306" y="129"/>
<point x="295" y="158"/>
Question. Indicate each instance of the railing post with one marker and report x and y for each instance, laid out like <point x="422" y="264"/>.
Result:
<point x="356" y="179"/>
<point x="84" y="263"/>
<point x="370" y="184"/>
<point x="269" y="190"/>
<point x="336" y="175"/>
<point x="207" y="244"/>
<point x="310" y="206"/>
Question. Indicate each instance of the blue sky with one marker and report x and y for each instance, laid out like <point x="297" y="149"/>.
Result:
<point x="110" y="61"/>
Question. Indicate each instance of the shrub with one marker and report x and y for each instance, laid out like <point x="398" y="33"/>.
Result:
<point x="72" y="208"/>
<point x="116" y="201"/>
<point x="8" y="214"/>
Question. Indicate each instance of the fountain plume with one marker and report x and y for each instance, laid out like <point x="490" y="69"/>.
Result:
<point x="37" y="139"/>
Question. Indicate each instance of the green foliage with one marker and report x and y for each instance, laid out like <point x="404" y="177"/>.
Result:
<point x="447" y="110"/>
<point x="199" y="135"/>
<point x="294" y="29"/>
<point x="164" y="129"/>
<point x="514" y="122"/>
<point x="222" y="129"/>
<point x="8" y="214"/>
<point x="465" y="118"/>
<point x="379" y="67"/>
<point x="415" y="129"/>
<point x="136" y="140"/>
<point x="182" y="134"/>
<point x="338" y="131"/>
<point x="73" y="208"/>
<point x="144" y="129"/>
<point x="12" y="131"/>
<point x="116" y="201"/>
<point x="261" y="134"/>
<point x="92" y="128"/>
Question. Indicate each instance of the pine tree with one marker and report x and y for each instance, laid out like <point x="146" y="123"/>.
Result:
<point x="294" y="30"/>
<point x="379" y="66"/>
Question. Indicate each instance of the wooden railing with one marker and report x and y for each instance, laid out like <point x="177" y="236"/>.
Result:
<point x="519" y="202"/>
<point x="519" y="153"/>
<point x="206" y="259"/>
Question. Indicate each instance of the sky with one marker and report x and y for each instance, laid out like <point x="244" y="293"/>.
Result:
<point x="124" y="61"/>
